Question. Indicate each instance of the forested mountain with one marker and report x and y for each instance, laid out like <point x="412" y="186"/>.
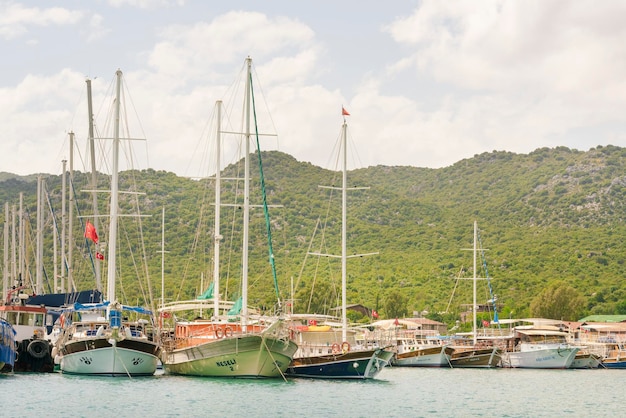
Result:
<point x="554" y="216"/>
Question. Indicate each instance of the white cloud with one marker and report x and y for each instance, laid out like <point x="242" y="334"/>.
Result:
<point x="464" y="77"/>
<point x="15" y="19"/>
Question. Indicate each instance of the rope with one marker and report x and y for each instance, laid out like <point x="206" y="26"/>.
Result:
<point x="265" y="208"/>
<point x="493" y="297"/>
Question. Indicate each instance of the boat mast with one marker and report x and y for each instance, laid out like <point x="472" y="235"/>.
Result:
<point x="246" y="199"/>
<point x="5" y="270"/>
<point x="163" y="257"/>
<point x="344" y="217"/>
<point x="22" y="243"/>
<point x="94" y="180"/>
<point x="111" y="266"/>
<point x="70" y="227"/>
<point x="475" y="279"/>
<point x="39" y="242"/>
<point x="14" y="265"/>
<point x="63" y="198"/>
<point x="217" y="238"/>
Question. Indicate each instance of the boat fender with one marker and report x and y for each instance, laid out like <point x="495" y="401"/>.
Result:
<point x="335" y="348"/>
<point x="38" y="348"/>
<point x="228" y="332"/>
<point x="345" y="346"/>
<point x="219" y="333"/>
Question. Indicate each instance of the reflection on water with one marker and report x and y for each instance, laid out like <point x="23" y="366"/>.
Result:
<point x="398" y="392"/>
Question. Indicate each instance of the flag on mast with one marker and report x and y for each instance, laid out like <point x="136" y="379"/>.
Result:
<point x="90" y="232"/>
<point x="344" y="112"/>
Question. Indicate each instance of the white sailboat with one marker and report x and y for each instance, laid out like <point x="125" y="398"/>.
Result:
<point x="321" y="354"/>
<point x="251" y="347"/>
<point x="97" y="338"/>
<point x="475" y="354"/>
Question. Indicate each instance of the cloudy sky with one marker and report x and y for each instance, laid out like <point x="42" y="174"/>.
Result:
<point x="427" y="83"/>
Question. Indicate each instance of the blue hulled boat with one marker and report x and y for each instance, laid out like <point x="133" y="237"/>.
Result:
<point x="7" y="346"/>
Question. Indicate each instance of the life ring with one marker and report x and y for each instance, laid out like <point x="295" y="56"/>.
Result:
<point x="335" y="347"/>
<point x="219" y="333"/>
<point x="228" y="332"/>
<point x="345" y="346"/>
<point x="38" y="348"/>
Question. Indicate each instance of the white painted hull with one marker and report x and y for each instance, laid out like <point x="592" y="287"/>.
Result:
<point x="547" y="358"/>
<point x="239" y="356"/>
<point x="109" y="362"/>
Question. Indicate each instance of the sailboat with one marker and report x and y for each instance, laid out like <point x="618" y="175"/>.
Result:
<point x="99" y="339"/>
<point x="251" y="346"/>
<point x="475" y="353"/>
<point x="323" y="352"/>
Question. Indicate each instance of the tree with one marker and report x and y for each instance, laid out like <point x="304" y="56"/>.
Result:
<point x="395" y="304"/>
<point x="558" y="301"/>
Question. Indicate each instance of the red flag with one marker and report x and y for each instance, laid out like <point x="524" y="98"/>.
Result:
<point x="344" y="112"/>
<point x="374" y="314"/>
<point x="99" y="256"/>
<point x="90" y="232"/>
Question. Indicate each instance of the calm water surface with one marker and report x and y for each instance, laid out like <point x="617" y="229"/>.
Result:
<point x="398" y="392"/>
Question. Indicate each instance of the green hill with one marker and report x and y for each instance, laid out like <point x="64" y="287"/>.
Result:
<point x="554" y="215"/>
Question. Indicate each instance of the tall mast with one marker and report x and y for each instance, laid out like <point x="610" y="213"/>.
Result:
<point x="22" y="242"/>
<point x="70" y="227"/>
<point x="475" y="279"/>
<point x="163" y="257"/>
<point x="39" y="238"/>
<point x="344" y="217"/>
<point x="246" y="198"/>
<point x="5" y="270"/>
<point x="111" y="267"/>
<point x="94" y="179"/>
<point x="63" y="226"/>
<point x="218" y="237"/>
<point x="14" y="272"/>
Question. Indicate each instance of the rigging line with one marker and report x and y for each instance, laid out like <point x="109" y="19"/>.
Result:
<point x="55" y="227"/>
<point x="265" y="208"/>
<point x="150" y="298"/>
<point x="493" y="297"/>
<point x="456" y="283"/>
<point x="82" y="226"/>
<point x="306" y="256"/>
<point x="273" y="359"/>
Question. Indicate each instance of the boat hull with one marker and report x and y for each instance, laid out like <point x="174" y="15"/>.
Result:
<point x="477" y="358"/>
<point x="438" y="356"/>
<point x="98" y="356"/>
<point x="548" y="358"/>
<point x="359" y="364"/>
<point x="247" y="356"/>
<point x="611" y="363"/>
<point x="7" y="346"/>
<point x="586" y="361"/>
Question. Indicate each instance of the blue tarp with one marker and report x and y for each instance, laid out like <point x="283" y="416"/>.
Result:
<point x="139" y="309"/>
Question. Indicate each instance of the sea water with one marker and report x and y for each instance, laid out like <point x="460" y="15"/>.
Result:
<point x="397" y="392"/>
